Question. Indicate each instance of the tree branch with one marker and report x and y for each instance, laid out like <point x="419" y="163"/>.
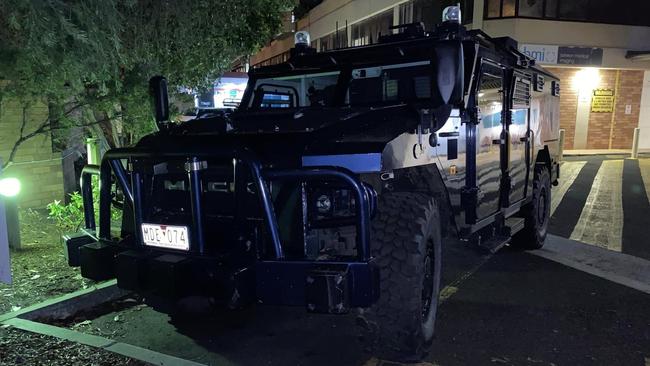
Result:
<point x="46" y="127"/>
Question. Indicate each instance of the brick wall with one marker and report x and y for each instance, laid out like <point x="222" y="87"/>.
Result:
<point x="629" y="93"/>
<point x="568" y="104"/>
<point x="37" y="167"/>
<point x="600" y="124"/>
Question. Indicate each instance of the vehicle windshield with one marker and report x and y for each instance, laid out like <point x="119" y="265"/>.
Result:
<point x="362" y="87"/>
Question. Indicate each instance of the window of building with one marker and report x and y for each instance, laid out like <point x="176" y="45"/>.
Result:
<point x="531" y="8"/>
<point x="550" y="8"/>
<point x="508" y="8"/>
<point x="629" y="12"/>
<point x="493" y="9"/>
<point x="429" y="12"/>
<point x="574" y="10"/>
<point x="368" y="31"/>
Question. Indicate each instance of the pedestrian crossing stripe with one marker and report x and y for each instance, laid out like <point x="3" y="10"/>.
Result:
<point x="601" y="220"/>
<point x="603" y="201"/>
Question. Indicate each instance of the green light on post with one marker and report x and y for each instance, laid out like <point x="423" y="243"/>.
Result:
<point x="9" y="187"/>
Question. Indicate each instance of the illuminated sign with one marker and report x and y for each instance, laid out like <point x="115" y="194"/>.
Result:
<point x="563" y="55"/>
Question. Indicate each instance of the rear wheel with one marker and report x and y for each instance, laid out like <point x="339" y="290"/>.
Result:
<point x="536" y="213"/>
<point x="406" y="243"/>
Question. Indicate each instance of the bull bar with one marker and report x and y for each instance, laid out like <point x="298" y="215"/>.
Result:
<point x="278" y="279"/>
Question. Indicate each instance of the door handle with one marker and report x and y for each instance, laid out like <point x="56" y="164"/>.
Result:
<point x="448" y="134"/>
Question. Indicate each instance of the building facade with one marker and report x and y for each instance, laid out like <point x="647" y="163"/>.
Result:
<point x="600" y="49"/>
<point x="36" y="165"/>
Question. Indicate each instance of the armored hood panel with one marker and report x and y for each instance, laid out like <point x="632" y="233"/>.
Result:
<point x="286" y="136"/>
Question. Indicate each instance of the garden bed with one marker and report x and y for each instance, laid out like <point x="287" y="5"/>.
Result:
<point x="40" y="270"/>
<point x="18" y="347"/>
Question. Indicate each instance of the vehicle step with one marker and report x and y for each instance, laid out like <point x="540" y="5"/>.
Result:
<point x="515" y="224"/>
<point x="494" y="243"/>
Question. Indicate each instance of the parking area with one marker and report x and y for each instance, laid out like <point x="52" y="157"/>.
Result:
<point x="582" y="300"/>
<point x="603" y="200"/>
<point x="511" y="308"/>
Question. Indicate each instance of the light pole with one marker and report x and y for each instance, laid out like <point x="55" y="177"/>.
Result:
<point x="9" y="190"/>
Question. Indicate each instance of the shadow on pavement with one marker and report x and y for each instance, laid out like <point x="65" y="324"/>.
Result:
<point x="516" y="309"/>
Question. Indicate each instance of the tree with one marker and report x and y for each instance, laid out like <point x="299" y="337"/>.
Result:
<point x="90" y="60"/>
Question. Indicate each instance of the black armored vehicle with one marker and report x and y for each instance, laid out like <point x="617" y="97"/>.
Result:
<point x="336" y="181"/>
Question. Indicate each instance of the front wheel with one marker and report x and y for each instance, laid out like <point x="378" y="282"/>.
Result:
<point x="406" y="244"/>
<point x="536" y="213"/>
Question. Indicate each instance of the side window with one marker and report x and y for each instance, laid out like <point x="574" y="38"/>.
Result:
<point x="390" y="83"/>
<point x="490" y="104"/>
<point x="520" y="100"/>
<point x="293" y="91"/>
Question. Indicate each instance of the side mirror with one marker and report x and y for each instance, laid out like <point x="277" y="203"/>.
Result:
<point x="158" y="91"/>
<point x="448" y="73"/>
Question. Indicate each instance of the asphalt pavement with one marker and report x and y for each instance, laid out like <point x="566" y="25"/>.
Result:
<point x="603" y="200"/>
<point x="512" y="308"/>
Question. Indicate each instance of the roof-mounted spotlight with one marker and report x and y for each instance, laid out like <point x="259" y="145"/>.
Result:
<point x="301" y="38"/>
<point x="451" y="14"/>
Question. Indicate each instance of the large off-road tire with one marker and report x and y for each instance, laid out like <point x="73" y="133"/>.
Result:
<point x="536" y="213"/>
<point x="406" y="243"/>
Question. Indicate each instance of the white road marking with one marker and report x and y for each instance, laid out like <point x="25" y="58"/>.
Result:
<point x="624" y="269"/>
<point x="601" y="220"/>
<point x="568" y="173"/>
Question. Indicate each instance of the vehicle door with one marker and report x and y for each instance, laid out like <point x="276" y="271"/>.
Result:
<point x="518" y="135"/>
<point x="490" y="103"/>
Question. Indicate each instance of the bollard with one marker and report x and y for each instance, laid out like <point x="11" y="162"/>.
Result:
<point x="9" y="190"/>
<point x="92" y="148"/>
<point x="5" y="262"/>
<point x="13" y="223"/>
<point x="561" y="149"/>
<point x="635" y="143"/>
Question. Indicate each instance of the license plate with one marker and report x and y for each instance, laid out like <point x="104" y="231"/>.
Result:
<point x="166" y="236"/>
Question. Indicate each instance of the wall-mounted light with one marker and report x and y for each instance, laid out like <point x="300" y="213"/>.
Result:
<point x="586" y="80"/>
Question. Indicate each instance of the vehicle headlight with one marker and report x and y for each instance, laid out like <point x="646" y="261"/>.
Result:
<point x="323" y="203"/>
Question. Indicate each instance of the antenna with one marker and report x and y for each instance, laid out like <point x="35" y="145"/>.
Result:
<point x="336" y="35"/>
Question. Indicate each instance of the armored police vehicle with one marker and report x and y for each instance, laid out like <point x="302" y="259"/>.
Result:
<point x="336" y="181"/>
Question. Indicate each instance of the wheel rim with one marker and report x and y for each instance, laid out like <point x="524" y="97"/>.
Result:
<point x="542" y="210"/>
<point x="428" y="282"/>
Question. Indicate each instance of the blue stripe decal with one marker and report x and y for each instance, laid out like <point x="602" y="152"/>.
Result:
<point x="358" y="163"/>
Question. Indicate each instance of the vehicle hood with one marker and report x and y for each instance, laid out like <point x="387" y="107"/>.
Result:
<point x="287" y="136"/>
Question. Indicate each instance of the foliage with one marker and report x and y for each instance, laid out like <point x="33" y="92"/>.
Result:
<point x="90" y="60"/>
<point x="70" y="217"/>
